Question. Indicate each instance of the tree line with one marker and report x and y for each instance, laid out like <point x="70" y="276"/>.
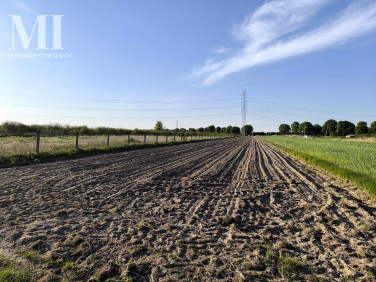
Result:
<point x="330" y="128"/>
<point x="12" y="128"/>
<point x="245" y="130"/>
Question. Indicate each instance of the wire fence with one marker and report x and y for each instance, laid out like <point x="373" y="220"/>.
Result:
<point x="19" y="145"/>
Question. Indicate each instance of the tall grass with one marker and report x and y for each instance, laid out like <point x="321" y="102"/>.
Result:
<point x="355" y="161"/>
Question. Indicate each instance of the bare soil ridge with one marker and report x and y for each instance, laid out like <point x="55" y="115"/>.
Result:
<point x="235" y="209"/>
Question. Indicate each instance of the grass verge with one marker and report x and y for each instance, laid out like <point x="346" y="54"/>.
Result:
<point x="367" y="182"/>
<point x="10" y="271"/>
<point x="17" y="160"/>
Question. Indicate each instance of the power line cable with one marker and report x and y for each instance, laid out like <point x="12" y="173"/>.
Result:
<point x="264" y="102"/>
<point x="113" y="109"/>
<point x="117" y="118"/>
<point x="117" y="100"/>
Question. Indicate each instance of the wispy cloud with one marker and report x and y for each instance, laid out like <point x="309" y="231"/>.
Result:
<point x="221" y="50"/>
<point x="268" y="34"/>
<point x="24" y="7"/>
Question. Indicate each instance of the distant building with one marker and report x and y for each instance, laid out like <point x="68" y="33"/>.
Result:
<point x="350" y="136"/>
<point x="308" y="136"/>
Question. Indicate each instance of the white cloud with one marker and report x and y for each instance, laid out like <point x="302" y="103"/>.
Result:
<point x="262" y="31"/>
<point x="24" y="7"/>
<point x="221" y="50"/>
<point x="275" y="19"/>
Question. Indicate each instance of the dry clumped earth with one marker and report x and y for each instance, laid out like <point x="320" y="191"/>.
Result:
<point x="235" y="209"/>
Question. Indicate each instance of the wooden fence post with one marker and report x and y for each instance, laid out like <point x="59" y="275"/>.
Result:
<point x="38" y="142"/>
<point x="108" y="139"/>
<point x="77" y="140"/>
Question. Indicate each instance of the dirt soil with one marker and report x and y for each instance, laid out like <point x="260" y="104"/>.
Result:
<point x="235" y="209"/>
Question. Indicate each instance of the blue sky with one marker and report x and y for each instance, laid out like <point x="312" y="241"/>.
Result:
<point x="136" y="62"/>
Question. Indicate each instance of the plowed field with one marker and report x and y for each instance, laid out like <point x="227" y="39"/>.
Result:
<point x="234" y="209"/>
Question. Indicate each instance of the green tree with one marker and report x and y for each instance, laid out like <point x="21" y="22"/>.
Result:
<point x="284" y="129"/>
<point x="158" y="126"/>
<point x="372" y="128"/>
<point x="345" y="128"/>
<point x="306" y="128"/>
<point x="210" y="128"/>
<point x="317" y="129"/>
<point x="247" y="130"/>
<point x="333" y="134"/>
<point x="15" y="128"/>
<point x="192" y="130"/>
<point x="229" y="129"/>
<point x="295" y="128"/>
<point x="361" y="128"/>
<point x="218" y="129"/>
<point x="201" y="129"/>
<point x="329" y="126"/>
<point x="235" y="130"/>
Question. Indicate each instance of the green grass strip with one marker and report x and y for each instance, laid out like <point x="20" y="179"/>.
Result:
<point x="365" y="181"/>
